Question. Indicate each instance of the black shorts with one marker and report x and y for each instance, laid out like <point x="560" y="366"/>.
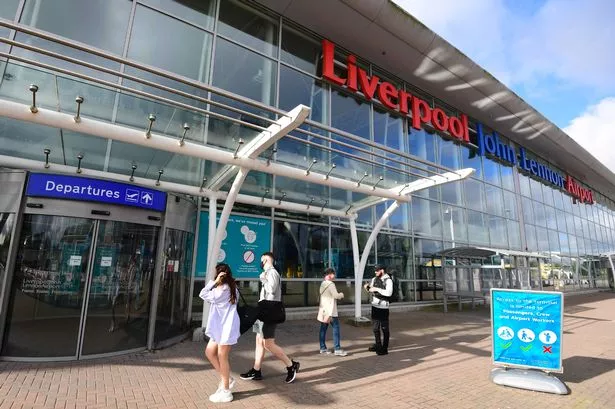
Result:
<point x="265" y="330"/>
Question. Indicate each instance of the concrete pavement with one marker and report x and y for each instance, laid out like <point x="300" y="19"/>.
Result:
<point x="436" y="360"/>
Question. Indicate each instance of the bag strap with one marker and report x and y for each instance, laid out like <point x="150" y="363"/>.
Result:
<point x="241" y="296"/>
<point x="323" y="291"/>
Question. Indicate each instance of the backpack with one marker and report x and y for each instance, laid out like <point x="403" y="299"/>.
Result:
<point x="395" y="296"/>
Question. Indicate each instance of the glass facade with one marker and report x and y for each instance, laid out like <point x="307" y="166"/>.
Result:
<point x="241" y="48"/>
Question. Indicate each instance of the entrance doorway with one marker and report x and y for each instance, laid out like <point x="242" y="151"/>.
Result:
<point x="82" y="285"/>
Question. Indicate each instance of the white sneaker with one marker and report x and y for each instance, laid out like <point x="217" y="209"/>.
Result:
<point x="340" y="352"/>
<point x="325" y="351"/>
<point x="221" y="396"/>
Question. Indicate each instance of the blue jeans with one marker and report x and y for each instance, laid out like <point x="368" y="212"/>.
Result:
<point x="335" y="323"/>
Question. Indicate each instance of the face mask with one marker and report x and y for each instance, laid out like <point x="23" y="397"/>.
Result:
<point x="262" y="264"/>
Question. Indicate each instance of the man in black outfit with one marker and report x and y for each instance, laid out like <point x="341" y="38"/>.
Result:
<point x="381" y="289"/>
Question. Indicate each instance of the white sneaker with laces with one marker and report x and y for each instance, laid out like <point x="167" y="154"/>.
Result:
<point x="325" y="352"/>
<point x="221" y="396"/>
<point x="340" y="352"/>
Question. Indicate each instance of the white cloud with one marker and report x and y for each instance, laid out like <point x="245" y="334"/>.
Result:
<point x="569" y="40"/>
<point x="595" y="131"/>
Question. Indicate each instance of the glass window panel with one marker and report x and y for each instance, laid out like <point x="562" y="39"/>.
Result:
<point x="540" y="218"/>
<point x="341" y="251"/>
<point x="244" y="72"/>
<point x="248" y="26"/>
<point x="563" y="242"/>
<point x="554" y="246"/>
<point x="495" y="200"/>
<point x="395" y="252"/>
<point x="389" y="131"/>
<point x="452" y="193"/>
<point x="457" y="231"/>
<point x="528" y="212"/>
<point x="514" y="236"/>
<point x="471" y="159"/>
<point x="530" y="238"/>
<point x="7" y="221"/>
<point x="297" y="88"/>
<point x="478" y="232"/>
<point x="524" y="185"/>
<point x="101" y="23"/>
<point x="551" y="216"/>
<point x="548" y="195"/>
<point x="498" y="232"/>
<point x="567" y="202"/>
<point x="543" y="239"/>
<point x="510" y="201"/>
<point x="300" y="50"/>
<point x="561" y="220"/>
<point x="174" y="46"/>
<point x="572" y="243"/>
<point x="422" y="144"/>
<point x="8" y="9"/>
<point x="199" y="12"/>
<point x="26" y="140"/>
<point x="426" y="217"/>
<point x="492" y="171"/>
<point x="508" y="181"/>
<point x="93" y="149"/>
<point x="350" y="114"/>
<point x="536" y="188"/>
<point x="475" y="195"/>
<point x="558" y="199"/>
<point x="301" y="250"/>
<point x="448" y="153"/>
<point x="570" y="223"/>
<point x="399" y="220"/>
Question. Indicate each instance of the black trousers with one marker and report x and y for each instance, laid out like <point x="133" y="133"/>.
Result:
<point x="380" y="320"/>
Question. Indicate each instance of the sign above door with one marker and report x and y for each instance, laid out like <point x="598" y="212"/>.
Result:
<point x="95" y="190"/>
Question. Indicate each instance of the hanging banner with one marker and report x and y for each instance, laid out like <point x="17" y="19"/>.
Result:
<point x="245" y="239"/>
<point x="526" y="329"/>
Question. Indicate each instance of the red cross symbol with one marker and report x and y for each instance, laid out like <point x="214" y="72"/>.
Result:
<point x="547" y="349"/>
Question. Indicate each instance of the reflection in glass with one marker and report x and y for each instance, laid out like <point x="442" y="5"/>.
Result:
<point x="492" y="171"/>
<point x="471" y="159"/>
<point x="508" y="181"/>
<point x="7" y="221"/>
<point x="478" y="232"/>
<point x="458" y="231"/>
<point x="395" y="253"/>
<point x="173" y="45"/>
<point x="199" y="12"/>
<point x="26" y="140"/>
<point x="498" y="232"/>
<point x="300" y="50"/>
<point x="172" y="310"/>
<point x="475" y="194"/>
<point x="47" y="288"/>
<point x="426" y="217"/>
<point x="120" y="290"/>
<point x="495" y="200"/>
<point x="341" y="251"/>
<point x="301" y="250"/>
<point x="244" y="72"/>
<point x="530" y="238"/>
<point x="249" y="27"/>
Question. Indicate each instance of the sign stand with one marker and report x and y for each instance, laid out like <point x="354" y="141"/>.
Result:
<point x="529" y="379"/>
<point x="527" y="329"/>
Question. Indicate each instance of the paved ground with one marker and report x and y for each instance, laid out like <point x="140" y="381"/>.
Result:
<point x="436" y="361"/>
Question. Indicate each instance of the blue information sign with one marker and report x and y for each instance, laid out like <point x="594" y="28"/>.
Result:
<point x="245" y="240"/>
<point x="95" y="190"/>
<point x="526" y="329"/>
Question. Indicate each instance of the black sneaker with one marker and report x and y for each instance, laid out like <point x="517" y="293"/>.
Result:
<point x="373" y="348"/>
<point x="292" y="371"/>
<point x="252" y="374"/>
<point x="382" y="351"/>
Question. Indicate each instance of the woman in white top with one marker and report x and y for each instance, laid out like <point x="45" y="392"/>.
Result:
<point x="222" y="328"/>
<point x="327" y="313"/>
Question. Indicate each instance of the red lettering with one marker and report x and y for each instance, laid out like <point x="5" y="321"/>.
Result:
<point x="351" y="83"/>
<point x="439" y="119"/>
<point x="368" y="85"/>
<point x="466" y="132"/>
<point x="386" y="90"/>
<point x="569" y="183"/>
<point x="328" y="63"/>
<point x="590" y="197"/>
<point x="404" y="101"/>
<point x="417" y="118"/>
<point x="455" y="127"/>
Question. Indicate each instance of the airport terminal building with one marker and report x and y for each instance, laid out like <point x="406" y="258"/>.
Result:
<point x="141" y="141"/>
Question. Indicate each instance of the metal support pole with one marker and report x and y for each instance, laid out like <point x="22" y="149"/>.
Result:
<point x="356" y="262"/>
<point x="217" y="242"/>
<point x="211" y="235"/>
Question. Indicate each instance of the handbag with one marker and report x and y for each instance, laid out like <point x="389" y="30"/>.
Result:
<point x="248" y="314"/>
<point x="272" y="312"/>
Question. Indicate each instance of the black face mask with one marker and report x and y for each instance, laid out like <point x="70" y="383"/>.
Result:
<point x="262" y="264"/>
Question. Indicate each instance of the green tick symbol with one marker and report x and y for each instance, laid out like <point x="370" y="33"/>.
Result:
<point x="506" y="345"/>
<point x="526" y="348"/>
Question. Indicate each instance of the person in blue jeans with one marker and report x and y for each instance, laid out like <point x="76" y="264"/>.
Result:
<point x="327" y="313"/>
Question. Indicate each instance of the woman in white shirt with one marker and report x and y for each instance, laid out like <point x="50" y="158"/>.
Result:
<point x="327" y="313"/>
<point x="222" y="328"/>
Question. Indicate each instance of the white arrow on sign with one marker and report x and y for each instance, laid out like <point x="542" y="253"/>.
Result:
<point x="146" y="198"/>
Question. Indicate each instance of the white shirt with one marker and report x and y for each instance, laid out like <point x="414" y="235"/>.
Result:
<point x="271" y="290"/>
<point x="223" y="320"/>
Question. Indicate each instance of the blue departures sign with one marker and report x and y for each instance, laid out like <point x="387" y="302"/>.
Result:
<point x="245" y="239"/>
<point x="95" y="190"/>
<point x="527" y="329"/>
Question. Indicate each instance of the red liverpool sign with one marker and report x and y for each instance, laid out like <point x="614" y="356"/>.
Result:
<point x="396" y="99"/>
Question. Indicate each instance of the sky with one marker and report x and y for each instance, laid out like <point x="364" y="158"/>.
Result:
<point x="558" y="55"/>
